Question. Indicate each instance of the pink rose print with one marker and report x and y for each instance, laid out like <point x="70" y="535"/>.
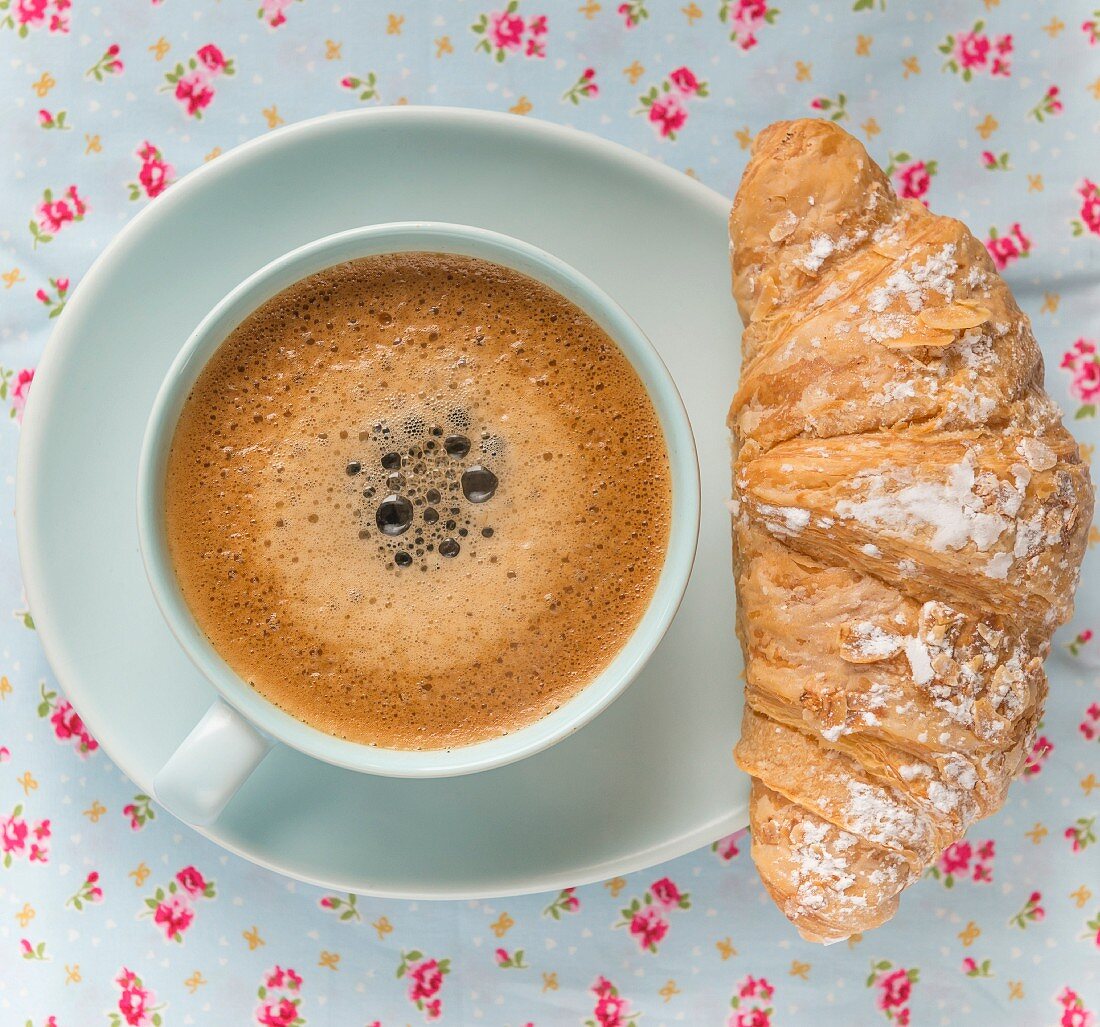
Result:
<point x="366" y="87"/>
<point x="211" y="58"/>
<point x="1040" y="750"/>
<point x="20" y="840"/>
<point x="140" y="812"/>
<point x="668" y="115"/>
<point x="745" y="18"/>
<point x="961" y="860"/>
<point x="192" y="84"/>
<point x="504" y="32"/>
<point x="31" y="951"/>
<point x="192" y="882"/>
<point x="955" y="858"/>
<point x="726" y="848"/>
<point x="346" y="907"/>
<point x="54" y="121"/>
<point x="13" y="835"/>
<point x="685" y="81"/>
<point x="1048" y="106"/>
<point x="972" y="968"/>
<point x="425" y="982"/>
<point x="109" y="64"/>
<point x="633" y="12"/>
<point x="25" y="15"/>
<point x="88" y="892"/>
<point x="893" y="988"/>
<point x="39" y="850"/>
<point x="5" y="754"/>
<point x="53" y="215"/>
<point x="193" y="92"/>
<point x="1089" y="218"/>
<point x="972" y="52"/>
<point x="1091" y="28"/>
<point x="278" y="1013"/>
<point x="751" y="1003"/>
<point x="646" y="918"/>
<point x="1082" y="833"/>
<point x="1082" y="637"/>
<point x="585" y="88"/>
<point x="280" y="999"/>
<point x="611" y="1009"/>
<point x="172" y="909"/>
<point x="273" y="12"/>
<point x="665" y="892"/>
<point x="67" y="725"/>
<point x="1093" y="931"/>
<point x="510" y="960"/>
<point x="1030" y="912"/>
<point x="279" y="978"/>
<point x="566" y="902"/>
<point x="649" y="926"/>
<point x="994" y="162"/>
<point x="915" y="179"/>
<point x="1007" y="249"/>
<point x="911" y="178"/>
<point x="137" y="1005"/>
<point x="664" y="105"/>
<point x="972" y="49"/>
<point x="536" y="36"/>
<point x="174" y="914"/>
<point x="16" y="387"/>
<point x="155" y="174"/>
<point x="1090" y="726"/>
<point x="837" y="108"/>
<point x="1074" y="1013"/>
<point x="1083" y="363"/>
<point x="54" y="300"/>
<point x="983" y="860"/>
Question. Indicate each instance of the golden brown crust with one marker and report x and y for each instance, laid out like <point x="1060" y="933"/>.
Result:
<point x="909" y="520"/>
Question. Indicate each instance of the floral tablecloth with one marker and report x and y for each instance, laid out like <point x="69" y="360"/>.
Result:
<point x="112" y="912"/>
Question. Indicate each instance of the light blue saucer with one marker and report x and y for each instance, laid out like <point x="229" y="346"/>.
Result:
<point x="652" y="776"/>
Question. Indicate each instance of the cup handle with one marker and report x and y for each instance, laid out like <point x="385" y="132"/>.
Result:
<point x="210" y="765"/>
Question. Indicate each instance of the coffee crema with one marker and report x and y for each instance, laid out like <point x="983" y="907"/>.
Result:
<point x="418" y="500"/>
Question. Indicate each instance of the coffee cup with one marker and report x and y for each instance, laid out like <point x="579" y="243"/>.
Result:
<point x="240" y="727"/>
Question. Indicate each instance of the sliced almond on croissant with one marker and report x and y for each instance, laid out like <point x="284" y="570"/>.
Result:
<point x="917" y="339"/>
<point x="891" y="251"/>
<point x="954" y="317"/>
<point x="767" y="300"/>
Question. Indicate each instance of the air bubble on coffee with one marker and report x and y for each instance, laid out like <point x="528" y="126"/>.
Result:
<point x="413" y="472"/>
<point x="394" y="515"/>
<point x="456" y="445"/>
<point x="479" y="484"/>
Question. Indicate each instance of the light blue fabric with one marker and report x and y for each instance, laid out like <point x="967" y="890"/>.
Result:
<point x="885" y="60"/>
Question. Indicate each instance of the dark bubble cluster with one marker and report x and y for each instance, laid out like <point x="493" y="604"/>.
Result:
<point x="422" y="489"/>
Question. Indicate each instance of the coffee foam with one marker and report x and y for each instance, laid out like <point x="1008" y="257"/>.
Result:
<point x="278" y="551"/>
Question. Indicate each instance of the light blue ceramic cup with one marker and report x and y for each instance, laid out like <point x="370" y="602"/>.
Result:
<point x="237" y="731"/>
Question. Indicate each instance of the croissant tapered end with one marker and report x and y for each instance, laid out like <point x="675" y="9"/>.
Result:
<point x="816" y="188"/>
<point x="818" y="874"/>
<point x="910" y="516"/>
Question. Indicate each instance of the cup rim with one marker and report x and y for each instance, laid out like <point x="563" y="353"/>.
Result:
<point x="439" y="237"/>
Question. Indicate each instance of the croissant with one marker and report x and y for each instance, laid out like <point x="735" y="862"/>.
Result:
<point x="909" y="517"/>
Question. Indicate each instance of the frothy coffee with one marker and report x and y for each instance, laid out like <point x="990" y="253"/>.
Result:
<point x="418" y="500"/>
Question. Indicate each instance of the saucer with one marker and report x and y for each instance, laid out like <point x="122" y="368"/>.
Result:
<point x="649" y="779"/>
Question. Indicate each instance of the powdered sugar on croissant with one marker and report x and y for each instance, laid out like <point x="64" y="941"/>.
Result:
<point x="909" y="517"/>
